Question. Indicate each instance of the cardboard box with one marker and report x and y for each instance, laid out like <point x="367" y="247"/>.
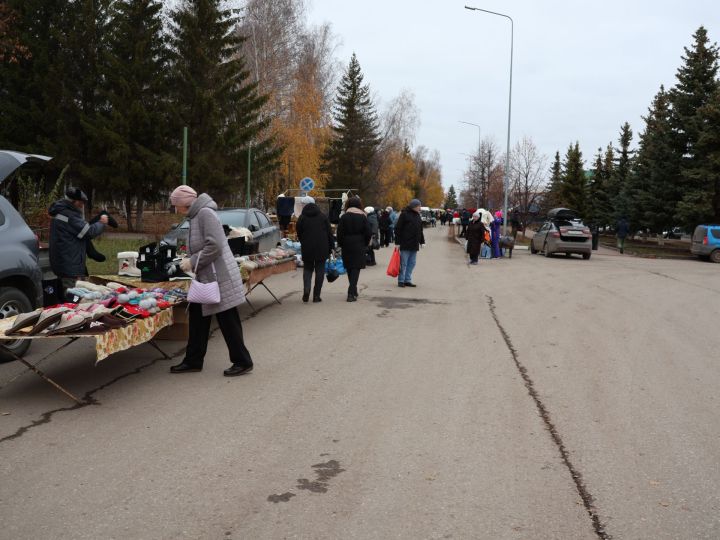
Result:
<point x="179" y="330"/>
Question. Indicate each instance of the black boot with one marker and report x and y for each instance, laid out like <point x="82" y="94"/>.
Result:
<point x="306" y="296"/>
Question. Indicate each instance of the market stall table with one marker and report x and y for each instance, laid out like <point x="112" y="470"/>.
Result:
<point x="255" y="278"/>
<point x="109" y="342"/>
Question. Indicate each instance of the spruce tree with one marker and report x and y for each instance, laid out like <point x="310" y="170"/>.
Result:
<point x="596" y="190"/>
<point x="617" y="190"/>
<point x="689" y="99"/>
<point x="214" y="97"/>
<point x="134" y="135"/>
<point x="574" y="182"/>
<point x="451" y="198"/>
<point x="701" y="200"/>
<point x="654" y="193"/>
<point x="552" y="198"/>
<point x="348" y="159"/>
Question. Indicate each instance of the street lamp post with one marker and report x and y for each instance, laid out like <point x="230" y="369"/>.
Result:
<point x="507" y="152"/>
<point x="482" y="190"/>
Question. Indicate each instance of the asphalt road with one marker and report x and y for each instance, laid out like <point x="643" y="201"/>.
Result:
<point x="520" y="398"/>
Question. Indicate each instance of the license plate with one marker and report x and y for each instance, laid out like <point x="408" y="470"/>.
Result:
<point x="574" y="232"/>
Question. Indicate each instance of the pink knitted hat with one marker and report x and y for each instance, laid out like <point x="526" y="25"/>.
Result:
<point x="183" y="196"/>
<point x="498" y="214"/>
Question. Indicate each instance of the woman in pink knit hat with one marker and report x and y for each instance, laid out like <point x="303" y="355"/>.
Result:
<point x="211" y="260"/>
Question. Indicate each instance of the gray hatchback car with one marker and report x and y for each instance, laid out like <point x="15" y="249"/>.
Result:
<point x="20" y="274"/>
<point x="564" y="233"/>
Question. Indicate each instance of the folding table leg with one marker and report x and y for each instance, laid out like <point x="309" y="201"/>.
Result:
<point x="271" y="293"/>
<point x="41" y="374"/>
<point x="266" y="288"/>
<point x="155" y="345"/>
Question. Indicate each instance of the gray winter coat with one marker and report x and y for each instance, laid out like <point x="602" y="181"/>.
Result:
<point x="207" y="244"/>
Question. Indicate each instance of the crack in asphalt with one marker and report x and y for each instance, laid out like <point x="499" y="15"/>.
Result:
<point x="660" y="274"/>
<point x="587" y="498"/>
<point x="89" y="399"/>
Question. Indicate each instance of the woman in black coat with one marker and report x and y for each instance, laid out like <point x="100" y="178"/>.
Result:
<point x="353" y="236"/>
<point x="475" y="235"/>
<point x="316" y="239"/>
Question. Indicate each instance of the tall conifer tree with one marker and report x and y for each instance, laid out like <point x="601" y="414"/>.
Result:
<point x="691" y="99"/>
<point x="215" y="98"/>
<point x="654" y="194"/>
<point x="134" y="134"/>
<point x="553" y="197"/>
<point x="618" y="192"/>
<point x="574" y="182"/>
<point x="348" y="159"/>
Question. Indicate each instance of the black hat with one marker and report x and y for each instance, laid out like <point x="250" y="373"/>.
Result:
<point x="75" y="194"/>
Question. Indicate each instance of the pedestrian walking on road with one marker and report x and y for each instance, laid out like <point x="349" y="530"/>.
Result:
<point x="384" y="228"/>
<point x="622" y="229"/>
<point x="495" y="232"/>
<point x="316" y="241"/>
<point x="409" y="237"/>
<point x="353" y="237"/>
<point x="393" y="221"/>
<point x="374" y="221"/>
<point x="211" y="260"/>
<point x="464" y="221"/>
<point x="475" y="237"/>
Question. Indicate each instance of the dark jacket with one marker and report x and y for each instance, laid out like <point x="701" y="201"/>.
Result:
<point x="385" y="221"/>
<point x="465" y="217"/>
<point x="475" y="237"/>
<point x="314" y="233"/>
<point x="353" y="236"/>
<point x="69" y="233"/>
<point x="622" y="228"/>
<point x="374" y="222"/>
<point x="409" y="230"/>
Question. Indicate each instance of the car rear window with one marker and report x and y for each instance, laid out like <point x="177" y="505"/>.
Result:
<point x="264" y="223"/>
<point x="236" y="218"/>
<point x="699" y="233"/>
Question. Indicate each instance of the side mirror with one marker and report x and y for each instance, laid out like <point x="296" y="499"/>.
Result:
<point x="253" y="228"/>
<point x="174" y="226"/>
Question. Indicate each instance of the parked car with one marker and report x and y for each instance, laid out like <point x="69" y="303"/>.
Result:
<point x="562" y="232"/>
<point x="264" y="231"/>
<point x="675" y="233"/>
<point x="20" y="274"/>
<point x="706" y="242"/>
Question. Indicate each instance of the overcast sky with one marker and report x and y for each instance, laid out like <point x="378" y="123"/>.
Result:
<point x="581" y="69"/>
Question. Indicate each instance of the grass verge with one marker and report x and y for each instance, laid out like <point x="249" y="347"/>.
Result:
<point x="110" y="247"/>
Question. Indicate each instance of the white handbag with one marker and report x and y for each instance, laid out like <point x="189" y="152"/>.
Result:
<point x="204" y="293"/>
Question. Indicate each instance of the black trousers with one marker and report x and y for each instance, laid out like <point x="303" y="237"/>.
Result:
<point x="319" y="268"/>
<point x="231" y="329"/>
<point x="385" y="237"/>
<point x="353" y="275"/>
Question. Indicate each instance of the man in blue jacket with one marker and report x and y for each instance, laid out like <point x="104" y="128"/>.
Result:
<point x="69" y="233"/>
<point x="409" y="237"/>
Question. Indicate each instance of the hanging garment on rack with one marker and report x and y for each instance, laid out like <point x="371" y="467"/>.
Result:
<point x="285" y="206"/>
<point x="335" y="211"/>
<point x="324" y="205"/>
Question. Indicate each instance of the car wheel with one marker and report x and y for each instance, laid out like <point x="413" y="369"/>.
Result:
<point x="586" y="256"/>
<point x="13" y="302"/>
<point x="715" y="256"/>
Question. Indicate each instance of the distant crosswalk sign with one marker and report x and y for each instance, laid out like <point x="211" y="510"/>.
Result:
<point x="307" y="184"/>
